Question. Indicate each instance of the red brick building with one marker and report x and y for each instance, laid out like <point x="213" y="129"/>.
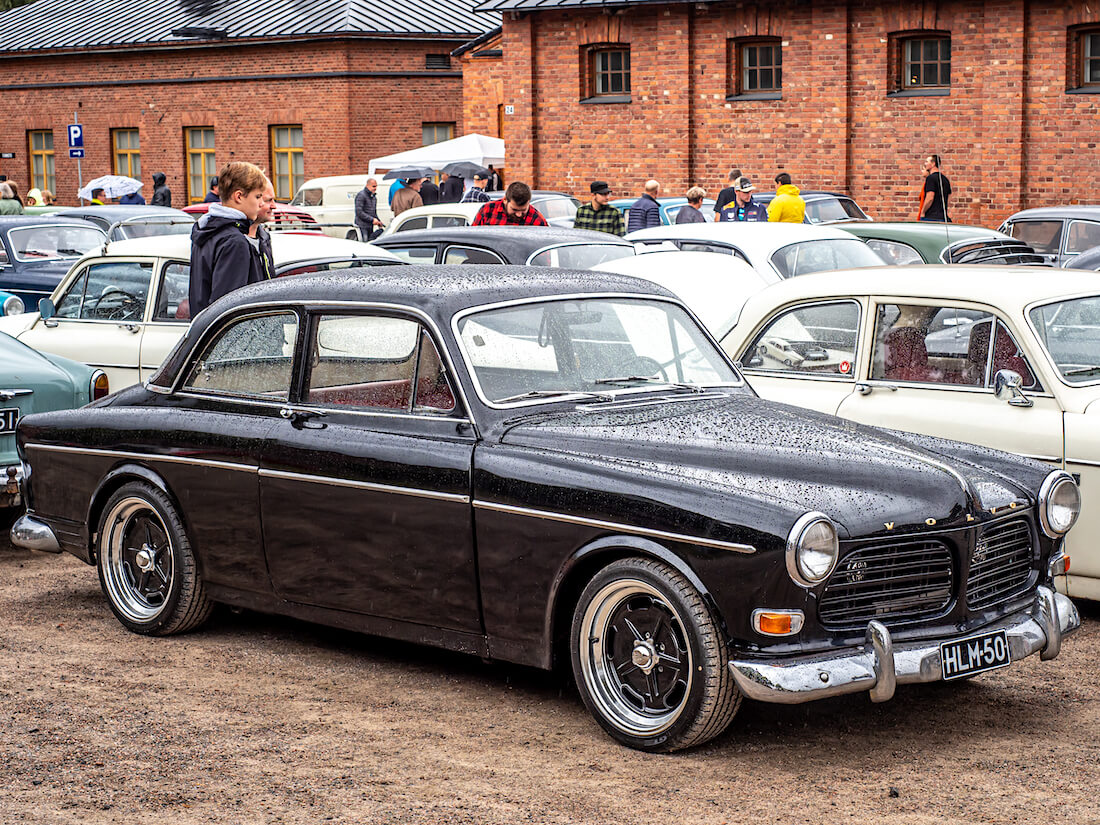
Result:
<point x="304" y="90"/>
<point x="842" y="94"/>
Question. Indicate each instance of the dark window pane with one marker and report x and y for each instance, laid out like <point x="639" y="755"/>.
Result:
<point x="616" y="61"/>
<point x="931" y="49"/>
<point x="945" y="49"/>
<point x="766" y="79"/>
<point x="616" y="83"/>
<point x="626" y="61"/>
<point x="945" y="74"/>
<point x="931" y="74"/>
<point x="750" y="56"/>
<point x="1093" y="75"/>
<point x="914" y="50"/>
<point x="778" y="78"/>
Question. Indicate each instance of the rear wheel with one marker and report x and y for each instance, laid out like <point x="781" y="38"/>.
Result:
<point x="649" y="658"/>
<point x="146" y="567"/>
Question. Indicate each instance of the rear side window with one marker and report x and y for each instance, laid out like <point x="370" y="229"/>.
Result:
<point x="470" y="255"/>
<point x="819" y="339"/>
<point x="449" y="220"/>
<point x="414" y="254"/>
<point x="413" y="223"/>
<point x="108" y="292"/>
<point x="1083" y="235"/>
<point x="172" y="300"/>
<point x="1045" y="237"/>
<point x="895" y="253"/>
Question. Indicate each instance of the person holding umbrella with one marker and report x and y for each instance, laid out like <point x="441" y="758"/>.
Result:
<point x="450" y="191"/>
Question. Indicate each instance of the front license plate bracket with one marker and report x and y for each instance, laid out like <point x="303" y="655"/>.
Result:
<point x="975" y="654"/>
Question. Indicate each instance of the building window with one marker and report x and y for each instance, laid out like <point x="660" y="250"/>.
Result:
<point x="609" y="72"/>
<point x="926" y="62"/>
<point x="756" y="67"/>
<point x="288" y="160"/>
<point x="1090" y="59"/>
<point x="201" y="166"/>
<point x="437" y="61"/>
<point x="127" y="152"/>
<point x="40" y="152"/>
<point x="436" y="132"/>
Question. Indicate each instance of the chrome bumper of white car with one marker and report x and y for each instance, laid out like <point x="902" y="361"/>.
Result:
<point x="32" y="534"/>
<point x="879" y="665"/>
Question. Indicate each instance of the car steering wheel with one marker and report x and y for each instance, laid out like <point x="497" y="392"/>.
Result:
<point x="125" y="311"/>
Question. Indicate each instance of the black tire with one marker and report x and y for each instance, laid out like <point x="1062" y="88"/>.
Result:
<point x="146" y="568"/>
<point x="641" y="613"/>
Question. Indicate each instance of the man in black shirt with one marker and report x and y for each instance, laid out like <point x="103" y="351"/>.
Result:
<point x="937" y="189"/>
<point x="727" y="195"/>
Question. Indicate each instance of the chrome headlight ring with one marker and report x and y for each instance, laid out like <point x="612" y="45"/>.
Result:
<point x="812" y="549"/>
<point x="1059" y="503"/>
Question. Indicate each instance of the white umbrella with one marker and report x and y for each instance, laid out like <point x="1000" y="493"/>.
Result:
<point x="113" y="186"/>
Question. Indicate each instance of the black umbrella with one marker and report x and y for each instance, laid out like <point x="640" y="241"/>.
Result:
<point x="409" y="173"/>
<point x="464" y="169"/>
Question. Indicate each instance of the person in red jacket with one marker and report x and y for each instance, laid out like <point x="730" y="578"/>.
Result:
<point x="514" y="210"/>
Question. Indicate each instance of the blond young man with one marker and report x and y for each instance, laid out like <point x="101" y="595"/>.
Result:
<point x="222" y="258"/>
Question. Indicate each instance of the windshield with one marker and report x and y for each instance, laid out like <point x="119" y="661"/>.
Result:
<point x="581" y="256"/>
<point x="307" y="197"/>
<point x="40" y="243"/>
<point x="1070" y="332"/>
<point x="819" y="256"/>
<point x="829" y="210"/>
<point x="593" y="347"/>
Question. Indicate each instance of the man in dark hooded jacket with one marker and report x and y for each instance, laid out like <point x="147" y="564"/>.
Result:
<point x="162" y="195"/>
<point x="222" y="257"/>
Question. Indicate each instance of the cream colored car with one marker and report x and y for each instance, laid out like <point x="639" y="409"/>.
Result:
<point x="122" y="309"/>
<point x="331" y="201"/>
<point x="1005" y="357"/>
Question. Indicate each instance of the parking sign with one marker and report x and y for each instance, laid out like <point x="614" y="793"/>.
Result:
<point x="76" y="136"/>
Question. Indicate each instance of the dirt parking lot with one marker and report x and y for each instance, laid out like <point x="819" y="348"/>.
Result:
<point x="262" y="719"/>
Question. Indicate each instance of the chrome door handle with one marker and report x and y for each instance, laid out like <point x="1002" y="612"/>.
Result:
<point x="299" y="417"/>
<point x="865" y="389"/>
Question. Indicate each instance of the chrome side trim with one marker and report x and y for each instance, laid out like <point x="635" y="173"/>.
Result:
<point x="174" y="459"/>
<point x="32" y="534"/>
<point x="1079" y="461"/>
<point x="1057" y="459"/>
<point x="613" y="525"/>
<point x="8" y="395"/>
<point x="366" y="485"/>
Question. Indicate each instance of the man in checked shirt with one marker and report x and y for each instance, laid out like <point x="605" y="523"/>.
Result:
<point x="514" y="210"/>
<point x="599" y="215"/>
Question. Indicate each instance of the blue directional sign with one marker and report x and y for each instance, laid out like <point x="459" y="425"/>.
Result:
<point x="76" y="153"/>
<point x="76" y="137"/>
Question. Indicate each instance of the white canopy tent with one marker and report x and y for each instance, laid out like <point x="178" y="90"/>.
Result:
<point x="479" y="149"/>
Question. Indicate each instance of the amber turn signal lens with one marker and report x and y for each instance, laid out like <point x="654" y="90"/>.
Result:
<point x="101" y="387"/>
<point x="775" y="623"/>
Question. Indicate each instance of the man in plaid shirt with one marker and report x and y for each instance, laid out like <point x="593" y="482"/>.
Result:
<point x="599" y="215"/>
<point x="514" y="210"/>
<point x="476" y="193"/>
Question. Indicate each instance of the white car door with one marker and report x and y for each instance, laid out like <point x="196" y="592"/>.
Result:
<point x="932" y="370"/>
<point x="99" y="318"/>
<point x="804" y="355"/>
<point x="1083" y="460"/>
<point x="169" y="316"/>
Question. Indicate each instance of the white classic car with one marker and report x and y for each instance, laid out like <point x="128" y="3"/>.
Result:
<point x="331" y="202"/>
<point x="1007" y="358"/>
<point x="775" y="250"/>
<point x="122" y="307"/>
<point x="436" y="216"/>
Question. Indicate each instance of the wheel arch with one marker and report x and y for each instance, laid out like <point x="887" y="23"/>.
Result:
<point x="588" y="560"/>
<point x="111" y="482"/>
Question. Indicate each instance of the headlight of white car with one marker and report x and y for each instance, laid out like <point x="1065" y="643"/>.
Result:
<point x="1059" y="503"/>
<point x="812" y="549"/>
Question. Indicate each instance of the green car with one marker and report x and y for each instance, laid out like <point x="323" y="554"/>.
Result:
<point x="925" y="242"/>
<point x="32" y="382"/>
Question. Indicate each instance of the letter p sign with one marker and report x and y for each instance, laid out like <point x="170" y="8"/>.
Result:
<point x="76" y="136"/>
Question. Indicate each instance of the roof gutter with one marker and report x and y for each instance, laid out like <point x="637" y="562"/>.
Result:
<point x="473" y="44"/>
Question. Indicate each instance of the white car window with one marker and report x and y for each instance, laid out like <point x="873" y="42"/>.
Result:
<point x="420" y="222"/>
<point x="115" y="291"/>
<point x="1070" y="331"/>
<point x="251" y="357"/>
<point x="823" y="255"/>
<point x="895" y="253"/>
<point x="172" y="297"/>
<point x="818" y="338"/>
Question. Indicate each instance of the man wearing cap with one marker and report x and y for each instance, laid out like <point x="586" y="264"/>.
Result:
<point x="476" y="193"/>
<point x="744" y="206"/>
<point x="598" y="214"/>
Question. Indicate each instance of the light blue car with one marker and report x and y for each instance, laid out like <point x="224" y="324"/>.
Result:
<point x="669" y="207"/>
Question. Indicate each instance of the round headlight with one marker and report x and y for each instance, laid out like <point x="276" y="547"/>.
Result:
<point x="812" y="549"/>
<point x="1059" y="503"/>
<point x="13" y="305"/>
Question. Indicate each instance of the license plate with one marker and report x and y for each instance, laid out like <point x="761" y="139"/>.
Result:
<point x="8" y="419"/>
<point x="977" y="654"/>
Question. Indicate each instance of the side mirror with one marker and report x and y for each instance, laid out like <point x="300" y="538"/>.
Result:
<point x="1008" y="386"/>
<point x="46" y="308"/>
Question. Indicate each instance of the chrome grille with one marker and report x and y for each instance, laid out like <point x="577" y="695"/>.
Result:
<point x="1001" y="564"/>
<point x="895" y="582"/>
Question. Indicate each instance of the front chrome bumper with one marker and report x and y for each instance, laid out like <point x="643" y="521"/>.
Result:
<point x="879" y="665"/>
<point x="32" y="534"/>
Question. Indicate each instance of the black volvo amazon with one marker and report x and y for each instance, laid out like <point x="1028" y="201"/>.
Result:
<point x="546" y="466"/>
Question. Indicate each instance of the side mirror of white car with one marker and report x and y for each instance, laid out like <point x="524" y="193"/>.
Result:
<point x="1008" y="385"/>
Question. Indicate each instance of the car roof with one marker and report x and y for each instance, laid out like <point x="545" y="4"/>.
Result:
<point x="286" y="247"/>
<point x="510" y="240"/>
<point x="900" y="230"/>
<point x="339" y="180"/>
<point x="1089" y="212"/>
<point x="757" y="239"/>
<point x="15" y="221"/>
<point x="120" y="212"/>
<point x="468" y="209"/>
<point x="1011" y="288"/>
<point x="805" y="194"/>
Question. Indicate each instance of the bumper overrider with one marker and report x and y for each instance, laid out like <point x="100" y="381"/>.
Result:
<point x="32" y="534"/>
<point x="880" y="664"/>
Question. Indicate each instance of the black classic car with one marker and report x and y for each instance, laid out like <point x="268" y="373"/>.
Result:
<point x="546" y="467"/>
<point x="534" y="245"/>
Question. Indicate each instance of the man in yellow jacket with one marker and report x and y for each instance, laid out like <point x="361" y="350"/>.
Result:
<point x="787" y="205"/>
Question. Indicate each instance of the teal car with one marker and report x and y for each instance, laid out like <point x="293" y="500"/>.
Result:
<point x="670" y="208"/>
<point x="925" y="242"/>
<point x="11" y="304"/>
<point x="32" y="382"/>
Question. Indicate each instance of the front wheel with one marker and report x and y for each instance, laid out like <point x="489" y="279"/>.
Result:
<point x="146" y="567"/>
<point x="649" y="658"/>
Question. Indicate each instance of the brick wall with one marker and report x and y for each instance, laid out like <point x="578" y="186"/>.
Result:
<point x="346" y="120"/>
<point x="1007" y="118"/>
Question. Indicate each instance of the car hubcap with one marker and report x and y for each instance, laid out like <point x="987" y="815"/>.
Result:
<point x="637" y="665"/>
<point x="138" y="560"/>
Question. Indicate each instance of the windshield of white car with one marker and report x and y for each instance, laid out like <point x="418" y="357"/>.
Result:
<point x="1070" y="332"/>
<point x="823" y="255"/>
<point x="581" y="256"/>
<point x="41" y="243"/>
<point x="567" y="347"/>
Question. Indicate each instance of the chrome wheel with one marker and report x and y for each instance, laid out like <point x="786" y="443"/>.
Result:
<point x="637" y="664"/>
<point x="138" y="563"/>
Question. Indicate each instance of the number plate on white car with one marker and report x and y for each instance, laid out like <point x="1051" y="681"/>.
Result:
<point x="977" y="654"/>
<point x="8" y="419"/>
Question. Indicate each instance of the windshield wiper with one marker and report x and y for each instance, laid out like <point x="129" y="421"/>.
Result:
<point x="1082" y="370"/>
<point x="649" y="379"/>
<point x="595" y="396"/>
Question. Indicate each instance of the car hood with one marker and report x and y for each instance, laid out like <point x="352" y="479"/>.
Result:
<point x="792" y="460"/>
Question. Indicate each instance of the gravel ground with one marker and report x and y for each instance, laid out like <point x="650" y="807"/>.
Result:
<point x="262" y="719"/>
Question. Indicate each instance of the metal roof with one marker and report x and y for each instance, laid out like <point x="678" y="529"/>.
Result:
<point x="545" y="5"/>
<point x="83" y="24"/>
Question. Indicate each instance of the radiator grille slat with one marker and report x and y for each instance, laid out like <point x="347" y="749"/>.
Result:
<point x="1002" y="564"/>
<point x="900" y="581"/>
